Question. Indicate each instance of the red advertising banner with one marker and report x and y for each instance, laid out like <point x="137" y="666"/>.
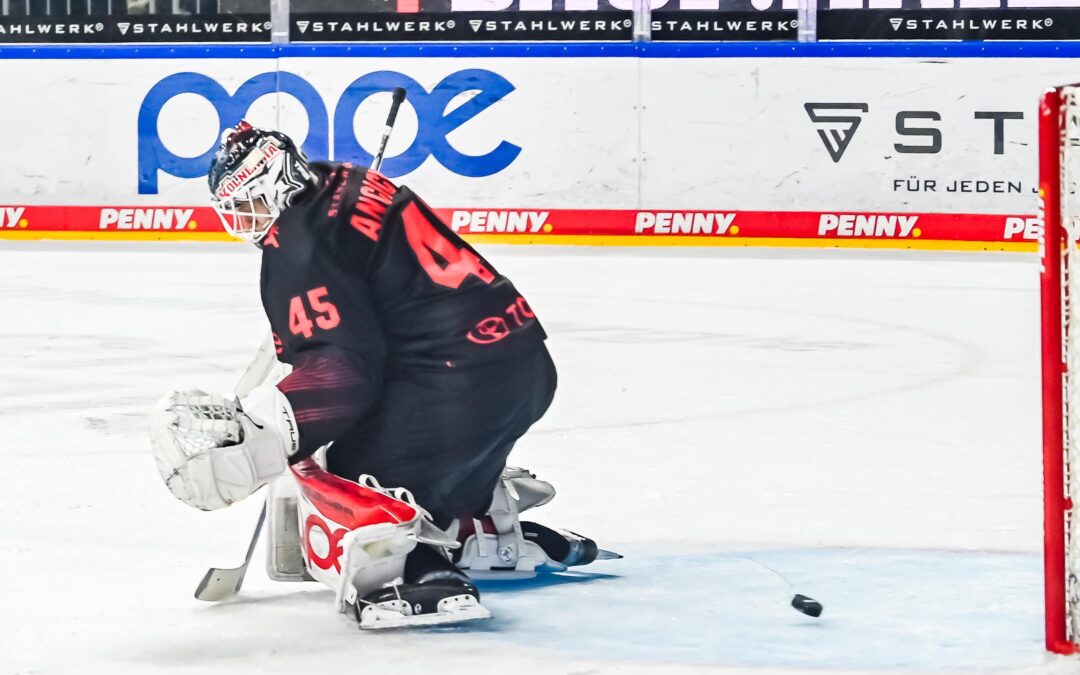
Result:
<point x="646" y="227"/>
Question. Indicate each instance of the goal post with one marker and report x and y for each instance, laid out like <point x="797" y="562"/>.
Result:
<point x="1059" y="167"/>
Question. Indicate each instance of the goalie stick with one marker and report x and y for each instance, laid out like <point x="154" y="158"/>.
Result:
<point x="399" y="96"/>
<point x="223" y="583"/>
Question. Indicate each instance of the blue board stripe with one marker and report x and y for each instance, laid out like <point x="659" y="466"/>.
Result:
<point x="656" y="50"/>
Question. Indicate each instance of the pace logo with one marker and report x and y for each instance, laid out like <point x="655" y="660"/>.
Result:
<point x="436" y="121"/>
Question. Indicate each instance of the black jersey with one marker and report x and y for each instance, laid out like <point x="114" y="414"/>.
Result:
<point x="360" y="278"/>
<point x="365" y="266"/>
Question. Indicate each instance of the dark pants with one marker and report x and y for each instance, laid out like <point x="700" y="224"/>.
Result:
<point x="445" y="435"/>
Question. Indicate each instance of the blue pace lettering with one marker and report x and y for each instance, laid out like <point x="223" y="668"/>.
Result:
<point x="154" y="156"/>
<point x="435" y="123"/>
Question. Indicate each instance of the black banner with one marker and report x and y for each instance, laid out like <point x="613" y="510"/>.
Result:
<point x="949" y="24"/>
<point x="532" y="25"/>
<point x="461" y="26"/>
<point x="38" y="31"/>
<point x="720" y="25"/>
<point x="459" y="6"/>
<point x="128" y="29"/>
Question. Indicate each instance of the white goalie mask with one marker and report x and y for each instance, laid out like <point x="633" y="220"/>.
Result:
<point x="255" y="175"/>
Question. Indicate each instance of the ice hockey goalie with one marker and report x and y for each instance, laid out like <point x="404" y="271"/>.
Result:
<point x="411" y="363"/>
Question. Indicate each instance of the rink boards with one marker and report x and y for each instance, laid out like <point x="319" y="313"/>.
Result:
<point x="922" y="146"/>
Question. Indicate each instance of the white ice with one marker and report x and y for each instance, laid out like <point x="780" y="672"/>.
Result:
<point x="866" y="424"/>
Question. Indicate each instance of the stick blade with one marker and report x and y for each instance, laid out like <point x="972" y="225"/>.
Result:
<point x="220" y="584"/>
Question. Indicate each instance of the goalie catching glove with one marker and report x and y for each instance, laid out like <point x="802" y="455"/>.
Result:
<point x="214" y="450"/>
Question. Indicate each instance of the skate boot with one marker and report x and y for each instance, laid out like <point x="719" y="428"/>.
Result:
<point x="433" y="592"/>
<point x="500" y="546"/>
<point x="565" y="547"/>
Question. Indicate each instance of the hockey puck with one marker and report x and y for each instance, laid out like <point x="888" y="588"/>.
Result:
<point x="808" y="606"/>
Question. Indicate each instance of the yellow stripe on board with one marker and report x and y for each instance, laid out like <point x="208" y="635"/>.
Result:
<point x="581" y="240"/>
<point x="772" y="242"/>
<point x="71" y="235"/>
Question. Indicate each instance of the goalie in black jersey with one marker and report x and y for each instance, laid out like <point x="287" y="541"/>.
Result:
<point x="411" y="356"/>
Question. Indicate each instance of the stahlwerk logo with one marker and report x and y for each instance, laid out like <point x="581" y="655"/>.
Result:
<point x="971" y="24"/>
<point x="918" y="132"/>
<point x="374" y="24"/>
<point x="836" y="130"/>
<point x="526" y="25"/>
<point x="195" y="27"/>
<point x="49" y="29"/>
<point x="692" y="25"/>
<point x="532" y="25"/>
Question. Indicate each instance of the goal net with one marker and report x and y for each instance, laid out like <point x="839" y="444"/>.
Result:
<point x="1059" y="171"/>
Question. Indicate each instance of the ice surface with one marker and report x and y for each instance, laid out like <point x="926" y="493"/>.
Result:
<point x="865" y="424"/>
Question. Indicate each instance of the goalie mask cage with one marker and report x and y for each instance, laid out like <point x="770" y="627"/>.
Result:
<point x="1059" y="170"/>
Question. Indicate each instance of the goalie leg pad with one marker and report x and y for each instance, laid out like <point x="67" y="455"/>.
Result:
<point x="284" y="549"/>
<point x="355" y="537"/>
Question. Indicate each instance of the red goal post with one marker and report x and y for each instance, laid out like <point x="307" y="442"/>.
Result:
<point x="1059" y="171"/>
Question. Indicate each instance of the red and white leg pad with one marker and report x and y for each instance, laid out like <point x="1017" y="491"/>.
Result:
<point x="354" y="537"/>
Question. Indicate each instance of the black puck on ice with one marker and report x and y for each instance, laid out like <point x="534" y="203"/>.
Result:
<point x="808" y="606"/>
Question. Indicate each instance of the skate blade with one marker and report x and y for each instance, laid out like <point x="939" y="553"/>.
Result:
<point x="377" y="618"/>
<point x="608" y="555"/>
<point x="513" y="574"/>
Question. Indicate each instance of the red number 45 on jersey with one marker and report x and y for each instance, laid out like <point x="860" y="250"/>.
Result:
<point x="326" y="314"/>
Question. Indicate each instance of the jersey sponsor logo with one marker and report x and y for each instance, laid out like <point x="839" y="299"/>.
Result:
<point x="494" y="328"/>
<point x="867" y="225"/>
<point x="12" y="216"/>
<point x="146" y="219"/>
<point x="1029" y="229"/>
<point x="489" y="330"/>
<point x="436" y="116"/>
<point x="675" y="222"/>
<point x="498" y="221"/>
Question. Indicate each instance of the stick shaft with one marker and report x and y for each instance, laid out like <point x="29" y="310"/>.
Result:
<point x="388" y="128"/>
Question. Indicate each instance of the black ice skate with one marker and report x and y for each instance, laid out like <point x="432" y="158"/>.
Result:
<point x="498" y="545"/>
<point x="565" y="547"/>
<point x="522" y="552"/>
<point x="434" y="592"/>
<point x="424" y="604"/>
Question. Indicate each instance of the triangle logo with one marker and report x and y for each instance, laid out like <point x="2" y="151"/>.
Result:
<point x="123" y="28"/>
<point x="475" y="24"/>
<point x="896" y="23"/>
<point x="836" y="131"/>
<point x="303" y="25"/>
